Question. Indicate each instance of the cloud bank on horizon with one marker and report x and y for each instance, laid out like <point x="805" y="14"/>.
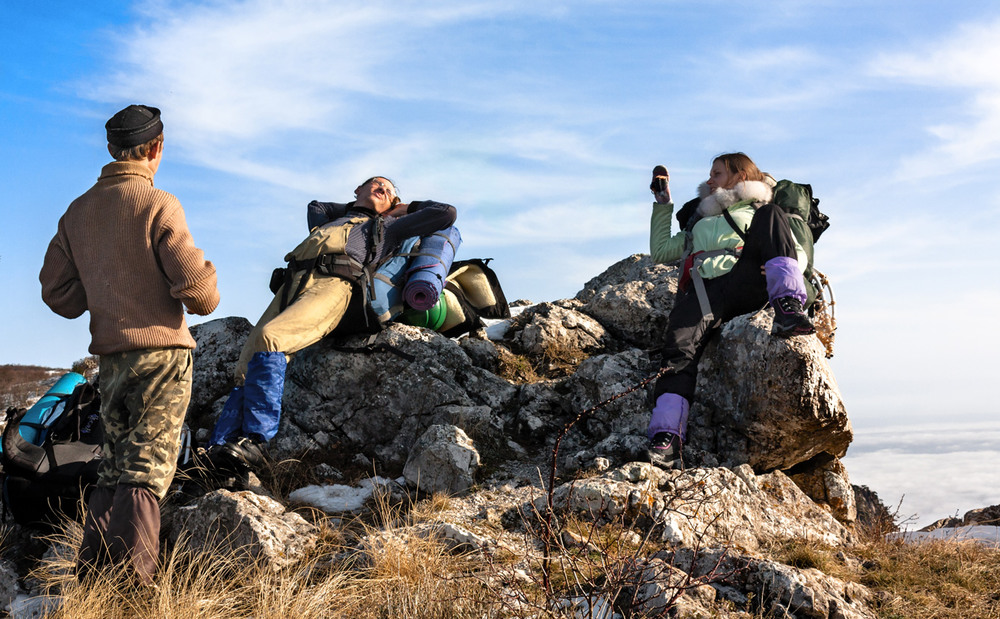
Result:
<point x="541" y="123"/>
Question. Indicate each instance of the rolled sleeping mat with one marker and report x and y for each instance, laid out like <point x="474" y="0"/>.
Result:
<point x="34" y="425"/>
<point x="432" y="318"/>
<point x="429" y="267"/>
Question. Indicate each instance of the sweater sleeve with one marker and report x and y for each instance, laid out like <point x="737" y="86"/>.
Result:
<point x="62" y="289"/>
<point x="422" y="218"/>
<point x="319" y="213"/>
<point x="664" y="246"/>
<point x="192" y="278"/>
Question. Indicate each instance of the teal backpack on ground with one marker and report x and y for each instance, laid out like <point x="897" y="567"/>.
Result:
<point x="50" y="452"/>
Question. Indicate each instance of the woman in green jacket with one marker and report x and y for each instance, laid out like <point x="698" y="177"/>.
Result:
<point x="739" y="254"/>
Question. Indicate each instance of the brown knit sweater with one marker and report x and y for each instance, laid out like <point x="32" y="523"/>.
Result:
<point x="123" y="251"/>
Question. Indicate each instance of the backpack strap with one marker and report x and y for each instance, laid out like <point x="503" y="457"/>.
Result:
<point x="340" y="265"/>
<point x="732" y="224"/>
<point x="699" y="281"/>
<point x="68" y="425"/>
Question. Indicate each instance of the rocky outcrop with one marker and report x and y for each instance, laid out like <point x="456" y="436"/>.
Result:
<point x="770" y="402"/>
<point x="536" y="439"/>
<point x="767" y="402"/>
<point x="444" y="459"/>
<point x="632" y="299"/>
<point x="987" y="516"/>
<point x="715" y="523"/>
<point x="829" y="485"/>
<point x="242" y="525"/>
<point x="715" y="506"/>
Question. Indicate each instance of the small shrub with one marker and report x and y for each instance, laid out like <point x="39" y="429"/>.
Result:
<point x="87" y="366"/>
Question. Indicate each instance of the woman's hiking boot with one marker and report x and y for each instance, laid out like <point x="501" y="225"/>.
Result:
<point x="665" y="451"/>
<point x="789" y="318"/>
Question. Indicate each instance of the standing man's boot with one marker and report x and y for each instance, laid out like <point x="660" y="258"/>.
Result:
<point x="93" y="553"/>
<point x="134" y="533"/>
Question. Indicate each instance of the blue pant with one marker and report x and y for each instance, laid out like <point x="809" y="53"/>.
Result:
<point x="255" y="407"/>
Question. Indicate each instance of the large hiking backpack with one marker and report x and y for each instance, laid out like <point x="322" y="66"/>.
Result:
<point x="806" y="221"/>
<point x="51" y="452"/>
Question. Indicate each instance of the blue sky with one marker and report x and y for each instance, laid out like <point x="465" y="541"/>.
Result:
<point x="541" y="122"/>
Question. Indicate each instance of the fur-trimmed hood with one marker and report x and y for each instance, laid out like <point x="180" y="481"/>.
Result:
<point x="714" y="203"/>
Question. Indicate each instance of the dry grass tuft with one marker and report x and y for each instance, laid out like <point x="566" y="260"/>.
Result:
<point x="515" y="368"/>
<point x="557" y="360"/>
<point x="367" y="571"/>
<point x="407" y="575"/>
<point x="939" y="579"/>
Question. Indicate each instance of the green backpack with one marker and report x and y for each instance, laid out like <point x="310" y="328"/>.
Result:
<point x="806" y="221"/>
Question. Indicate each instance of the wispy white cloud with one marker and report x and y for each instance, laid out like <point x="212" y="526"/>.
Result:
<point x="965" y="61"/>
<point x="562" y="224"/>
<point x="295" y="94"/>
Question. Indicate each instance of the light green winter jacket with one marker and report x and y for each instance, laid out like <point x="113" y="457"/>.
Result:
<point x="711" y="231"/>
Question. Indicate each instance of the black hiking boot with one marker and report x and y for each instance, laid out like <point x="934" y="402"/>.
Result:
<point x="665" y="451"/>
<point x="790" y="319"/>
<point x="245" y="454"/>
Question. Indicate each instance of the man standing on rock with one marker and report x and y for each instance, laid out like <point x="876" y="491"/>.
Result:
<point x="124" y="253"/>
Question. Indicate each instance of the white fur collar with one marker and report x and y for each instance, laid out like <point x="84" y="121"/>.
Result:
<point x="714" y="203"/>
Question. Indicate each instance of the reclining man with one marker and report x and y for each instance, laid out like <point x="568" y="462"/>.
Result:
<point x="323" y="281"/>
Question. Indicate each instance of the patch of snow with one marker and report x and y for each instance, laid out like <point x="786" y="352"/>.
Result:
<point x="338" y="498"/>
<point x="496" y="328"/>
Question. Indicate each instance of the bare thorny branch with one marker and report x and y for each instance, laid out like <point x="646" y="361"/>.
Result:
<point x="596" y="567"/>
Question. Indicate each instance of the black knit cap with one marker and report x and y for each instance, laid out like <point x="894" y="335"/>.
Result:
<point x="135" y="125"/>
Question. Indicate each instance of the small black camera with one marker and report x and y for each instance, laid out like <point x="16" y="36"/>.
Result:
<point x="659" y="185"/>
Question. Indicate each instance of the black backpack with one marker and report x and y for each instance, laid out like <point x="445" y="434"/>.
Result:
<point x="475" y="293"/>
<point x="45" y="475"/>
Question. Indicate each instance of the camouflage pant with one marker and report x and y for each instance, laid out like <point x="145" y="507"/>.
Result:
<point x="144" y="397"/>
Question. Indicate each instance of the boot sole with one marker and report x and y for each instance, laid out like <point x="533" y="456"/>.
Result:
<point x="792" y="332"/>
<point x="661" y="461"/>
